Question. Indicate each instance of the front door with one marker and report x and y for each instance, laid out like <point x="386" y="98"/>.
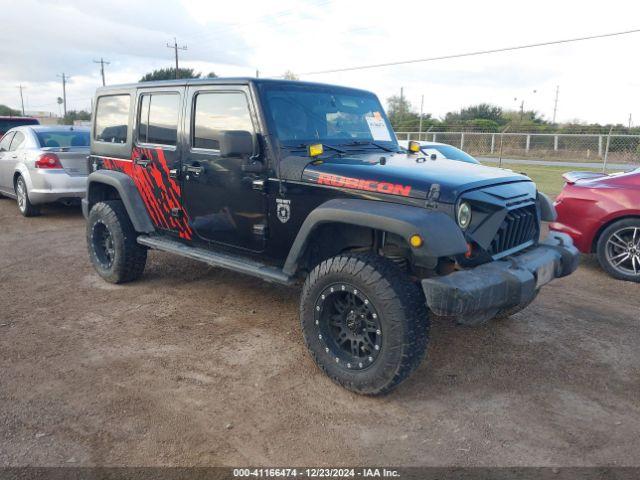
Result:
<point x="220" y="199"/>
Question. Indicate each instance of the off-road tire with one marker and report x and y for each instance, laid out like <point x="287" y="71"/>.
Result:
<point x="127" y="258"/>
<point x="26" y="208"/>
<point x="601" y="249"/>
<point x="401" y="310"/>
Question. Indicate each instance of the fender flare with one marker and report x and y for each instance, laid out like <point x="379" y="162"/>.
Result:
<point x="129" y="194"/>
<point x="442" y="237"/>
<point x="547" y="209"/>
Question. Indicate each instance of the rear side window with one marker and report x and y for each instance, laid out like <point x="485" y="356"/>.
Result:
<point x="112" y="118"/>
<point x="64" y="138"/>
<point x="158" y="118"/>
<point x="17" y="141"/>
<point x="219" y="111"/>
<point x="5" y="143"/>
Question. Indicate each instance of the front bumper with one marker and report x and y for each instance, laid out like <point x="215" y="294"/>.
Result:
<point x="508" y="283"/>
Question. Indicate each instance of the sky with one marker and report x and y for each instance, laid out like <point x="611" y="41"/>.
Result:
<point x="599" y="80"/>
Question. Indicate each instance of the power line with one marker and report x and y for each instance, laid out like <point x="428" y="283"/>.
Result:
<point x="102" y="63"/>
<point x="471" y="54"/>
<point x="176" y="48"/>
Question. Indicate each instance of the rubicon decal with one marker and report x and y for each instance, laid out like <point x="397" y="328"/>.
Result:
<point x="360" y="184"/>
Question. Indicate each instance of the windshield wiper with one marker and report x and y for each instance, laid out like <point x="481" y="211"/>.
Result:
<point x="356" y="143"/>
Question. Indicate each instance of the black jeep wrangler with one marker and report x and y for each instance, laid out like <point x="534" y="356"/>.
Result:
<point x="300" y="182"/>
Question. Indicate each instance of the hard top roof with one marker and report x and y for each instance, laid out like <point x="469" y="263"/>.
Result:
<point x="221" y="81"/>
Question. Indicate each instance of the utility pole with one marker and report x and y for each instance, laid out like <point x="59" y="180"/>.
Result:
<point x="102" y="63"/>
<point x="401" y="112"/>
<point x="420" y="124"/>
<point x="629" y="114"/>
<point x="64" y="92"/>
<point x="555" y="104"/>
<point x="22" y="101"/>
<point x="176" y="48"/>
<point x="257" y="73"/>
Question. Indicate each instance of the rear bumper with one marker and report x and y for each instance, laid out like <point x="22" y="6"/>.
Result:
<point x="54" y="185"/>
<point x="503" y="284"/>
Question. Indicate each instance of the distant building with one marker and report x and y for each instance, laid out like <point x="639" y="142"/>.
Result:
<point x="45" y="118"/>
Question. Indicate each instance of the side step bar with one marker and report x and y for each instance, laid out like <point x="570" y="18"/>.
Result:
<point x="218" y="259"/>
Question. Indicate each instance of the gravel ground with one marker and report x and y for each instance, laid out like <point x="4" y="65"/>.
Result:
<point x="194" y="365"/>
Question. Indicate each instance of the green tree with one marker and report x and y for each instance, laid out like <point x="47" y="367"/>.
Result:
<point x="73" y="115"/>
<point x="484" y="111"/>
<point x="170" y="74"/>
<point x="289" y="75"/>
<point x="9" y="112"/>
<point x="401" y="115"/>
<point x="211" y="75"/>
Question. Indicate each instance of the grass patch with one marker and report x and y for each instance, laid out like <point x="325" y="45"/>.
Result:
<point x="548" y="179"/>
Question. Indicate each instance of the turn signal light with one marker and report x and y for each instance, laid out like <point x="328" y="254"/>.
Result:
<point x="48" y="161"/>
<point x="416" y="241"/>
<point x="315" y="149"/>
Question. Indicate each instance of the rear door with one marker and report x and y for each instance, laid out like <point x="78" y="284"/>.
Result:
<point x="156" y="157"/>
<point x="6" y="175"/>
<point x="14" y="155"/>
<point x="220" y="198"/>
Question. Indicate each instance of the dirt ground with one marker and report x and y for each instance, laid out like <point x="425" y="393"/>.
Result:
<point x="193" y="365"/>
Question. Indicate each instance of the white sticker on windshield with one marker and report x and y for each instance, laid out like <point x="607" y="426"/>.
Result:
<point x="378" y="127"/>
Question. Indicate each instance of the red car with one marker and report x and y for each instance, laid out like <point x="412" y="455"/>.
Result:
<point x="7" y="123"/>
<point x="602" y="214"/>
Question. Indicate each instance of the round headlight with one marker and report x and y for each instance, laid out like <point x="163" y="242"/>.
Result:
<point x="464" y="215"/>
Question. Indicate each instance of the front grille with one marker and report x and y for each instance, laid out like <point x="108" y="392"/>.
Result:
<point x="519" y="227"/>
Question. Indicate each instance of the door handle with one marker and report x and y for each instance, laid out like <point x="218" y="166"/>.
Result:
<point x="142" y="161"/>
<point x="195" y="169"/>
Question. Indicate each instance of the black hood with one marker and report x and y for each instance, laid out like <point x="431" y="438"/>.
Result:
<point x="406" y="175"/>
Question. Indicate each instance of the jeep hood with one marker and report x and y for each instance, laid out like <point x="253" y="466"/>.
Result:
<point x="406" y="175"/>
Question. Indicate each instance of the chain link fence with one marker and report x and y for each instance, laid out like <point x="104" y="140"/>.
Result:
<point x="610" y="148"/>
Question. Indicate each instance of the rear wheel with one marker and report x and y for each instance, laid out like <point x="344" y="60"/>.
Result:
<point x="364" y="322"/>
<point x="112" y="243"/>
<point x="618" y="249"/>
<point x="22" y="196"/>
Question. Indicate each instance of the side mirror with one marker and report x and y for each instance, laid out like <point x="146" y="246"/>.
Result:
<point x="235" y="143"/>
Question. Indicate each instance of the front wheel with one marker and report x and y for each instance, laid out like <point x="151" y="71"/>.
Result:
<point x="618" y="249"/>
<point x="112" y="243"/>
<point x="364" y="321"/>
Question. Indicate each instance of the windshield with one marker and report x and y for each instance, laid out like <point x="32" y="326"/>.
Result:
<point x="310" y="114"/>
<point x="448" y="152"/>
<point x="64" y="138"/>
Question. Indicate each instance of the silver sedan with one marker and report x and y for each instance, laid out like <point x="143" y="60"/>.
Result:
<point x="43" y="164"/>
